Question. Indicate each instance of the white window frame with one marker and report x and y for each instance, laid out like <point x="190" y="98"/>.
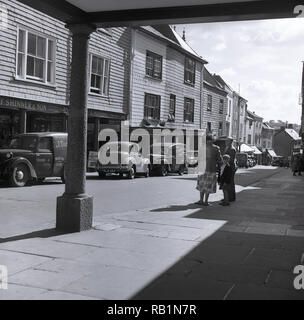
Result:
<point x="101" y="94"/>
<point x="24" y="76"/>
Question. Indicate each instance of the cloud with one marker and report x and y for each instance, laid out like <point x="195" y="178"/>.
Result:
<point x="264" y="57"/>
<point x="228" y="72"/>
<point x="220" y="47"/>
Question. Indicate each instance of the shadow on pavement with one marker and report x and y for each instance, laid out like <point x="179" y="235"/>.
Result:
<point x="176" y="208"/>
<point x="47" y="233"/>
<point x="252" y="256"/>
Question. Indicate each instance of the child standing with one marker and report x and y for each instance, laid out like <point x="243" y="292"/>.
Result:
<point x="225" y="178"/>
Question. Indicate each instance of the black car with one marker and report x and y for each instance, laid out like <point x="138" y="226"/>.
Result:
<point x="33" y="157"/>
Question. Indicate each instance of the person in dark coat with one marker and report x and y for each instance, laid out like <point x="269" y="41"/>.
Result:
<point x="225" y="179"/>
<point x="296" y="165"/>
<point x="231" y="152"/>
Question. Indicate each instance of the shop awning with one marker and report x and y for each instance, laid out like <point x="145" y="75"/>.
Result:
<point x="246" y="148"/>
<point x="272" y="153"/>
<point x="256" y="150"/>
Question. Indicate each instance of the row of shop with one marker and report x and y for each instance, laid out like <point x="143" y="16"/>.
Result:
<point x="21" y="116"/>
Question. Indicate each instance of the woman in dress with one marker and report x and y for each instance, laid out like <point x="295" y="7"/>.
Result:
<point x="207" y="182"/>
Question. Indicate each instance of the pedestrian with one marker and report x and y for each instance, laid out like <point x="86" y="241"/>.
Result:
<point x="231" y="152"/>
<point x="295" y="164"/>
<point x="225" y="179"/>
<point x="301" y="164"/>
<point x="207" y="182"/>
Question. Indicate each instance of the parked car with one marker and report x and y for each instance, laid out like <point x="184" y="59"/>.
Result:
<point x="128" y="160"/>
<point x="32" y="157"/>
<point x="192" y="159"/>
<point x="251" y="161"/>
<point x="242" y="160"/>
<point x="277" y="161"/>
<point x="166" y="160"/>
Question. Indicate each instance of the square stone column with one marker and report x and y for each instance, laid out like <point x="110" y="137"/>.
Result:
<point x="75" y="207"/>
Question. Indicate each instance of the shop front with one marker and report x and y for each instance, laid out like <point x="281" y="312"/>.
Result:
<point x="97" y="121"/>
<point x="20" y="116"/>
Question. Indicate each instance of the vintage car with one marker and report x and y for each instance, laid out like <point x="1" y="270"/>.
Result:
<point x="168" y="158"/>
<point x="277" y="161"/>
<point x="243" y="160"/>
<point x="127" y="159"/>
<point x="32" y="157"/>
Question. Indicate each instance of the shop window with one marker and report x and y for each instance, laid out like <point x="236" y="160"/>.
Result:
<point x="189" y="76"/>
<point x="152" y="107"/>
<point x="35" y="57"/>
<point x="100" y="75"/>
<point x="154" y="64"/>
<point x="189" y="110"/>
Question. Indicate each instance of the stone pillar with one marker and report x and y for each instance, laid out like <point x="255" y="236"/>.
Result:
<point x="75" y="207"/>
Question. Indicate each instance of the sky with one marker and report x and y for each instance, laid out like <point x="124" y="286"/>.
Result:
<point x="263" y="58"/>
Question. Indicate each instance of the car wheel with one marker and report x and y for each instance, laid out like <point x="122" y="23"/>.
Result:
<point x="147" y="174"/>
<point x="181" y="170"/>
<point x="19" y="176"/>
<point x="121" y="175"/>
<point x="131" y="174"/>
<point x="40" y="180"/>
<point x="164" y="171"/>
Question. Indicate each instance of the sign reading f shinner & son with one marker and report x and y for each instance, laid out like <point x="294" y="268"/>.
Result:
<point x="7" y="102"/>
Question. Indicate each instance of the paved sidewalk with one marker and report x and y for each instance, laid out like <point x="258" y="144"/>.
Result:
<point x="246" y="251"/>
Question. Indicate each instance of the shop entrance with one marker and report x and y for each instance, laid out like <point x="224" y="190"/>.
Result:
<point x="9" y="126"/>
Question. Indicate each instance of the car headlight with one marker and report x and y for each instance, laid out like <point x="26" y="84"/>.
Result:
<point x="9" y="155"/>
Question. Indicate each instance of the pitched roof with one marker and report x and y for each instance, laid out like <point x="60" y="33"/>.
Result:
<point x="211" y="81"/>
<point x="253" y="115"/>
<point x="220" y="80"/>
<point x="293" y="134"/>
<point x="168" y="34"/>
<point x="267" y="126"/>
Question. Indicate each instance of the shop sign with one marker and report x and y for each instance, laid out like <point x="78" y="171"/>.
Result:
<point x="37" y="106"/>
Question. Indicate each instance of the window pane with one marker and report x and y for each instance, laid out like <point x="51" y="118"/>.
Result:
<point x="50" y="50"/>
<point x="21" y="44"/>
<point x="31" y="46"/>
<point x="20" y="65"/>
<point x="30" y="66"/>
<point x="39" y="65"/>
<point x="94" y="64"/>
<point x="41" y="44"/>
<point x="100" y="67"/>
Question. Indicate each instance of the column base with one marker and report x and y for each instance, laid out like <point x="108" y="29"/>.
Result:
<point x="74" y="213"/>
